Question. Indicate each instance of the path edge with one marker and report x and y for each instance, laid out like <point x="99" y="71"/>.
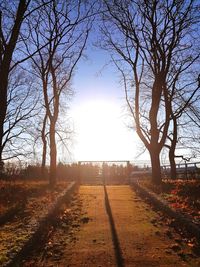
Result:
<point x="184" y="221"/>
<point x="39" y="225"/>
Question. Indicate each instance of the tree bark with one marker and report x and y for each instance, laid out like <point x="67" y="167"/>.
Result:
<point x="172" y="149"/>
<point x="155" y="165"/>
<point x="3" y="109"/>
<point x="44" y="150"/>
<point x="172" y="164"/>
<point x="53" y="155"/>
<point x="154" y="147"/>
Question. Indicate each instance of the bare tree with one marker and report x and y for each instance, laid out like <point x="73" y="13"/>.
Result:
<point x="65" y="25"/>
<point x="190" y="129"/>
<point x="183" y="98"/>
<point x="8" y="41"/>
<point x="151" y="41"/>
<point x="21" y="108"/>
<point x="13" y="32"/>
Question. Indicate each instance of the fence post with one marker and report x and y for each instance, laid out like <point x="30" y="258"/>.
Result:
<point x="186" y="176"/>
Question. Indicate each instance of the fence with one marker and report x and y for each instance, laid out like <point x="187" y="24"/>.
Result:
<point x="184" y="170"/>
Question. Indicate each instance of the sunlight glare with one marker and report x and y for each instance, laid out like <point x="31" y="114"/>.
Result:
<point x="101" y="133"/>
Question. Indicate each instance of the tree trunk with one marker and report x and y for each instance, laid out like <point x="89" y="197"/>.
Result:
<point x="3" y="110"/>
<point x="53" y="155"/>
<point x="172" y="150"/>
<point x="43" y="165"/>
<point x="154" y="147"/>
<point x="6" y="59"/>
<point x="155" y="164"/>
<point x="44" y="150"/>
<point x="1" y="163"/>
<point x="172" y="164"/>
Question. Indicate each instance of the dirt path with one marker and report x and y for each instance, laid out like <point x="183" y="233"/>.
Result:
<point x="143" y="241"/>
<point x="87" y="236"/>
<point x="94" y="242"/>
<point x="82" y="236"/>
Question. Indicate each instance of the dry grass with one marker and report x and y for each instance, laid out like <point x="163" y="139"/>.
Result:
<point x="182" y="195"/>
<point x="34" y="198"/>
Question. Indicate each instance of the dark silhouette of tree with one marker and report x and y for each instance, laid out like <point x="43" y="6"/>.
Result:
<point x="176" y="119"/>
<point x="8" y="41"/>
<point x="21" y="110"/>
<point x="44" y="143"/>
<point x="65" y="26"/>
<point x="150" y="43"/>
<point x="13" y="32"/>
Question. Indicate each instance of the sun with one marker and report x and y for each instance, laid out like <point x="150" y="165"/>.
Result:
<point x="100" y="132"/>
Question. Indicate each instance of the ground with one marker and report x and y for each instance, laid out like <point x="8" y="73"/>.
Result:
<point x="182" y="195"/>
<point x="21" y="193"/>
<point x="23" y="203"/>
<point x="83" y="236"/>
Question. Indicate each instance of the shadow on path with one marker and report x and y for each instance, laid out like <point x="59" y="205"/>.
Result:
<point x="116" y="244"/>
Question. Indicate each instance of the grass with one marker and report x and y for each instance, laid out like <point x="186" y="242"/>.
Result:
<point x="36" y="197"/>
<point x="16" y="192"/>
